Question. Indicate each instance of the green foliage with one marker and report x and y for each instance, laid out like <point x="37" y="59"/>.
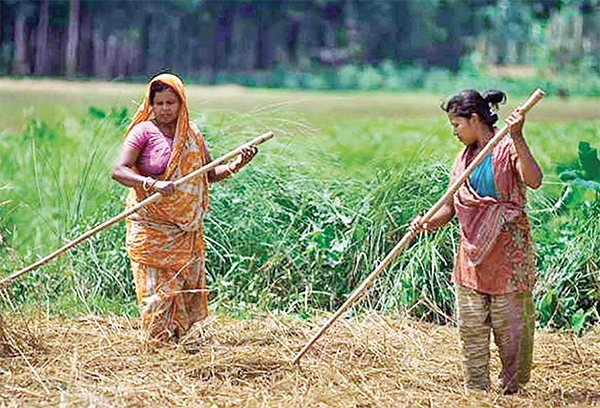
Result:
<point x="587" y="175"/>
<point x="370" y="79"/>
<point x="55" y="177"/>
<point x="547" y="307"/>
<point x="561" y="42"/>
<point x="389" y="76"/>
<point x="295" y="244"/>
<point x="568" y="248"/>
<point x="347" y="76"/>
<point x="295" y="231"/>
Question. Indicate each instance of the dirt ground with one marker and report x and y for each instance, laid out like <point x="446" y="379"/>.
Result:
<point x="379" y="361"/>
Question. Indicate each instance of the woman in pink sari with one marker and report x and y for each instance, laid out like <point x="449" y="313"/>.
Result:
<point x="164" y="239"/>
<point x="494" y="270"/>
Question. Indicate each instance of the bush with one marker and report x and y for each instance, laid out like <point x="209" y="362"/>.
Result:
<point x="347" y="77"/>
<point x="296" y="238"/>
<point x="369" y="79"/>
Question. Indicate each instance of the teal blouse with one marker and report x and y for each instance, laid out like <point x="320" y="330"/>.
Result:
<point x="482" y="178"/>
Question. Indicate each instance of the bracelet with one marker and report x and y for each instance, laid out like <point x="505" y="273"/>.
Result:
<point x="145" y="183"/>
<point x="229" y="170"/>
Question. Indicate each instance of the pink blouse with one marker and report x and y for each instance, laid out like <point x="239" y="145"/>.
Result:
<point x="153" y="145"/>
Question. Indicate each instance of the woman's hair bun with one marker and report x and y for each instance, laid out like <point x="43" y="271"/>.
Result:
<point x="494" y="96"/>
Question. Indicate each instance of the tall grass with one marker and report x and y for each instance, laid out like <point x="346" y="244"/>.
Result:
<point x="57" y="183"/>
<point x="295" y="231"/>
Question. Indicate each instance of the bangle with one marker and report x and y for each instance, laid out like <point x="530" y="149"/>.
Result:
<point x="145" y="183"/>
<point x="229" y="170"/>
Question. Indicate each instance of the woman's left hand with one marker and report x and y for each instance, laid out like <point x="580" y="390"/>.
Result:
<point x="244" y="158"/>
<point x="515" y="123"/>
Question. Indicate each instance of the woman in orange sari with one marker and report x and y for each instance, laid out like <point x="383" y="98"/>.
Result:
<point x="164" y="239"/>
<point x="494" y="270"/>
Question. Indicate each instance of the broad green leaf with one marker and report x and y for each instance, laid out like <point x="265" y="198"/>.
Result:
<point x="589" y="161"/>
<point x="569" y="175"/>
<point x="578" y="321"/>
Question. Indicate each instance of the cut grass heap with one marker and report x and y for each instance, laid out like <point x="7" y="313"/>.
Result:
<point x="379" y="361"/>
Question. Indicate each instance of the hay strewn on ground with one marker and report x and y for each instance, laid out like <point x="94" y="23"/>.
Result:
<point x="376" y="362"/>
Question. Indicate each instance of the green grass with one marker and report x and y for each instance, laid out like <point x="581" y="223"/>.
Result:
<point x="304" y="224"/>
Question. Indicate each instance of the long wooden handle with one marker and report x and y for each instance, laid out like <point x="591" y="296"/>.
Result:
<point x="154" y="197"/>
<point x="407" y="238"/>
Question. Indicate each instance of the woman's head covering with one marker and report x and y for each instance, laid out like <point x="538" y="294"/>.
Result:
<point x="183" y="130"/>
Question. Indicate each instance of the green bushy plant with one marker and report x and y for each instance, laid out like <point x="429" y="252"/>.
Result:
<point x="569" y="284"/>
<point x="347" y="76"/>
<point x="292" y="235"/>
<point x="370" y="79"/>
<point x="60" y="175"/>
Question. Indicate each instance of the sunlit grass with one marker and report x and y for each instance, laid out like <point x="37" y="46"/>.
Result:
<point x="296" y="230"/>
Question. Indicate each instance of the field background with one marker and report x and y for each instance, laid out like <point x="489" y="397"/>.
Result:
<point x="289" y="236"/>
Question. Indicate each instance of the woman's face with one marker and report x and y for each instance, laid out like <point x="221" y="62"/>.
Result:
<point x="464" y="128"/>
<point x="166" y="106"/>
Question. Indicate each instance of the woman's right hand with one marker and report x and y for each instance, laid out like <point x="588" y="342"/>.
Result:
<point x="417" y="225"/>
<point x="164" y="187"/>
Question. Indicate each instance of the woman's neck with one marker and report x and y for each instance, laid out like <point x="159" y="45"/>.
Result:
<point x="484" y="135"/>
<point x="166" y="129"/>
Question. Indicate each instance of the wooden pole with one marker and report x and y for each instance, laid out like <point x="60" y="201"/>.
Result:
<point x="407" y="238"/>
<point x="154" y="197"/>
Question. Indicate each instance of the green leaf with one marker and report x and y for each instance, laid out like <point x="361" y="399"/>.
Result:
<point x="579" y="321"/>
<point x="569" y="175"/>
<point x="548" y="306"/>
<point x="589" y="161"/>
<point x="97" y="113"/>
<point x="590" y="185"/>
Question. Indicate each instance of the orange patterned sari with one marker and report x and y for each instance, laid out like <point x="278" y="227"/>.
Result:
<point x="164" y="239"/>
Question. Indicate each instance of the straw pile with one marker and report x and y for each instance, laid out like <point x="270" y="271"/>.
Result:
<point x="378" y="361"/>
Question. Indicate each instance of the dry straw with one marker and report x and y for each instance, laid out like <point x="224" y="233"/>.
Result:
<point x="377" y="361"/>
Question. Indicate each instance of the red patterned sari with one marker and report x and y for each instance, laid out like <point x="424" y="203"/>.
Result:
<point x="495" y="254"/>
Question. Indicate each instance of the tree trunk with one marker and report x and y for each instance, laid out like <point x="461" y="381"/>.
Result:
<point x="113" y="64"/>
<point x="159" y="50"/>
<point x="221" y="38"/>
<point x="41" y="60"/>
<point x="100" y="63"/>
<point x="85" y="60"/>
<point x="19" y="64"/>
<point x="144" y="44"/>
<point x="244" y="39"/>
<point x="265" y="47"/>
<point x="308" y="39"/>
<point x="175" y="61"/>
<point x="73" y="38"/>
<point x="204" y="56"/>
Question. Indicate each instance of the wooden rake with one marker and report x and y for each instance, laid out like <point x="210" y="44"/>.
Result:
<point x="154" y="197"/>
<point x="407" y="238"/>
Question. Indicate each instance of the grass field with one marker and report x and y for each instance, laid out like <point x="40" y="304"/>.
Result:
<point x="291" y="235"/>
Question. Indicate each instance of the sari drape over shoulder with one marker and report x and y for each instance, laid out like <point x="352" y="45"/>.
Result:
<point x="164" y="239"/>
<point x="495" y="254"/>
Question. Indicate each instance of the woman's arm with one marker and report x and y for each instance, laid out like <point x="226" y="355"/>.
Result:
<point x="220" y="172"/>
<point x="527" y="167"/>
<point x="225" y="170"/>
<point x="440" y="218"/>
<point x="126" y="173"/>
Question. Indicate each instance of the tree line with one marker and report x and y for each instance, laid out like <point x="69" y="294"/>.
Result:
<point x="201" y="38"/>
